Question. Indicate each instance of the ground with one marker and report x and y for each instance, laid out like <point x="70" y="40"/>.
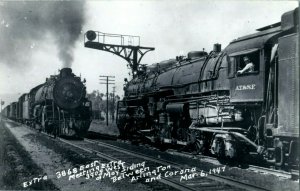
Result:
<point x="16" y="166"/>
<point x="101" y="127"/>
<point x="27" y="154"/>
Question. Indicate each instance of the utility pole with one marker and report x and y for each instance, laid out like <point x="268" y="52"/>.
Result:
<point x="113" y="104"/>
<point x="108" y="81"/>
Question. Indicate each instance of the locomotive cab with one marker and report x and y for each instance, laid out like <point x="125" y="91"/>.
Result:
<point x="246" y="86"/>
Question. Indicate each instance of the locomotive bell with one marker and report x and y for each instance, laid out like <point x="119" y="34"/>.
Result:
<point x="91" y="35"/>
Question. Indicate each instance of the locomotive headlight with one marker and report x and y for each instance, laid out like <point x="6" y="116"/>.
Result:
<point x="91" y="35"/>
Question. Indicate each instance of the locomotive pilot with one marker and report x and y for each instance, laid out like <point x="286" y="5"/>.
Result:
<point x="249" y="67"/>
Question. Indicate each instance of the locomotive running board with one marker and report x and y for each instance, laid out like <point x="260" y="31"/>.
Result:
<point x="150" y="138"/>
<point x="169" y="141"/>
<point x="175" y="141"/>
<point x="182" y="143"/>
<point x="146" y="130"/>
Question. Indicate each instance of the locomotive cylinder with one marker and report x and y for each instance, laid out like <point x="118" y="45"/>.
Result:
<point x="177" y="108"/>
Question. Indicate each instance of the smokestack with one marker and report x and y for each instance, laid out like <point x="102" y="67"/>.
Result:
<point x="217" y="47"/>
<point x="65" y="72"/>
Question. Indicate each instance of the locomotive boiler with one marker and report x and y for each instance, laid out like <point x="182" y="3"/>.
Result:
<point x="206" y="101"/>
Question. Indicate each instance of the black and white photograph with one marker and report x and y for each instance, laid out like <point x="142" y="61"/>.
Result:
<point x="130" y="95"/>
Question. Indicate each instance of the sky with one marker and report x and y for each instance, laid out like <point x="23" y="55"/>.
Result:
<point x="39" y="39"/>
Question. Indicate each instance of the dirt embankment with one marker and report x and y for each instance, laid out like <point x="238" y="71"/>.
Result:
<point x="38" y="155"/>
<point x="17" y="167"/>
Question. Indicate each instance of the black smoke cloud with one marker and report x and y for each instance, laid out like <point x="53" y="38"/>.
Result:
<point x="27" y="24"/>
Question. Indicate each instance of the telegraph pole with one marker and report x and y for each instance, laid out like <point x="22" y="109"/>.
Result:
<point x="108" y="81"/>
<point x="113" y="103"/>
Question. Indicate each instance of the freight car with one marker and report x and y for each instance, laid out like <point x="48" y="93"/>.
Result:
<point x="13" y="111"/>
<point x="230" y="103"/>
<point x="5" y="112"/>
<point x="59" y="106"/>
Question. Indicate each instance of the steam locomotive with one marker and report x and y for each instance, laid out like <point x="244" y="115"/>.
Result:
<point x="58" y="106"/>
<point x="204" y="102"/>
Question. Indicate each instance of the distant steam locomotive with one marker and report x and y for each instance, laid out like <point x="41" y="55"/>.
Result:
<point x="58" y="106"/>
<point x="208" y="102"/>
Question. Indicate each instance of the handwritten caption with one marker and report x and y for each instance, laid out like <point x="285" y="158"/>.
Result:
<point x="117" y="170"/>
<point x="34" y="181"/>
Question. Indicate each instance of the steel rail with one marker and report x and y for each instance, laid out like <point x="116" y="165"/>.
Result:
<point x="215" y="177"/>
<point x="259" y="169"/>
<point x="163" y="180"/>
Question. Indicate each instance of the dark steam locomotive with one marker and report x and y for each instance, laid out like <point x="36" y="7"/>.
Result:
<point x="58" y="106"/>
<point x="213" y="103"/>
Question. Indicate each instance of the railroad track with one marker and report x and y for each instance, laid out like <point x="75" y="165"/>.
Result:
<point x="279" y="173"/>
<point x="114" y="158"/>
<point x="294" y="174"/>
<point x="111" y="152"/>
<point x="209" y="181"/>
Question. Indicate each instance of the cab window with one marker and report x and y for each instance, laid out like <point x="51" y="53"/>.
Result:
<point x="244" y="64"/>
<point x="231" y="67"/>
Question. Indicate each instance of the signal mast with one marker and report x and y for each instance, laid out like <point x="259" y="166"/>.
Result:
<point x="126" y="46"/>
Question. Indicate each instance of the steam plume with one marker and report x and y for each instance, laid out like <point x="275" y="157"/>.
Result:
<point x="25" y="25"/>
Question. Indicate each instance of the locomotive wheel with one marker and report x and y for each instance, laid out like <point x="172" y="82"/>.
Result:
<point x="124" y="128"/>
<point x="37" y="127"/>
<point x="182" y="134"/>
<point x="125" y="131"/>
<point x="279" y="155"/>
<point x="129" y="131"/>
<point x="121" y="128"/>
<point x="221" y="145"/>
<point x="199" y="146"/>
<point x="161" y="145"/>
<point x="219" y="149"/>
